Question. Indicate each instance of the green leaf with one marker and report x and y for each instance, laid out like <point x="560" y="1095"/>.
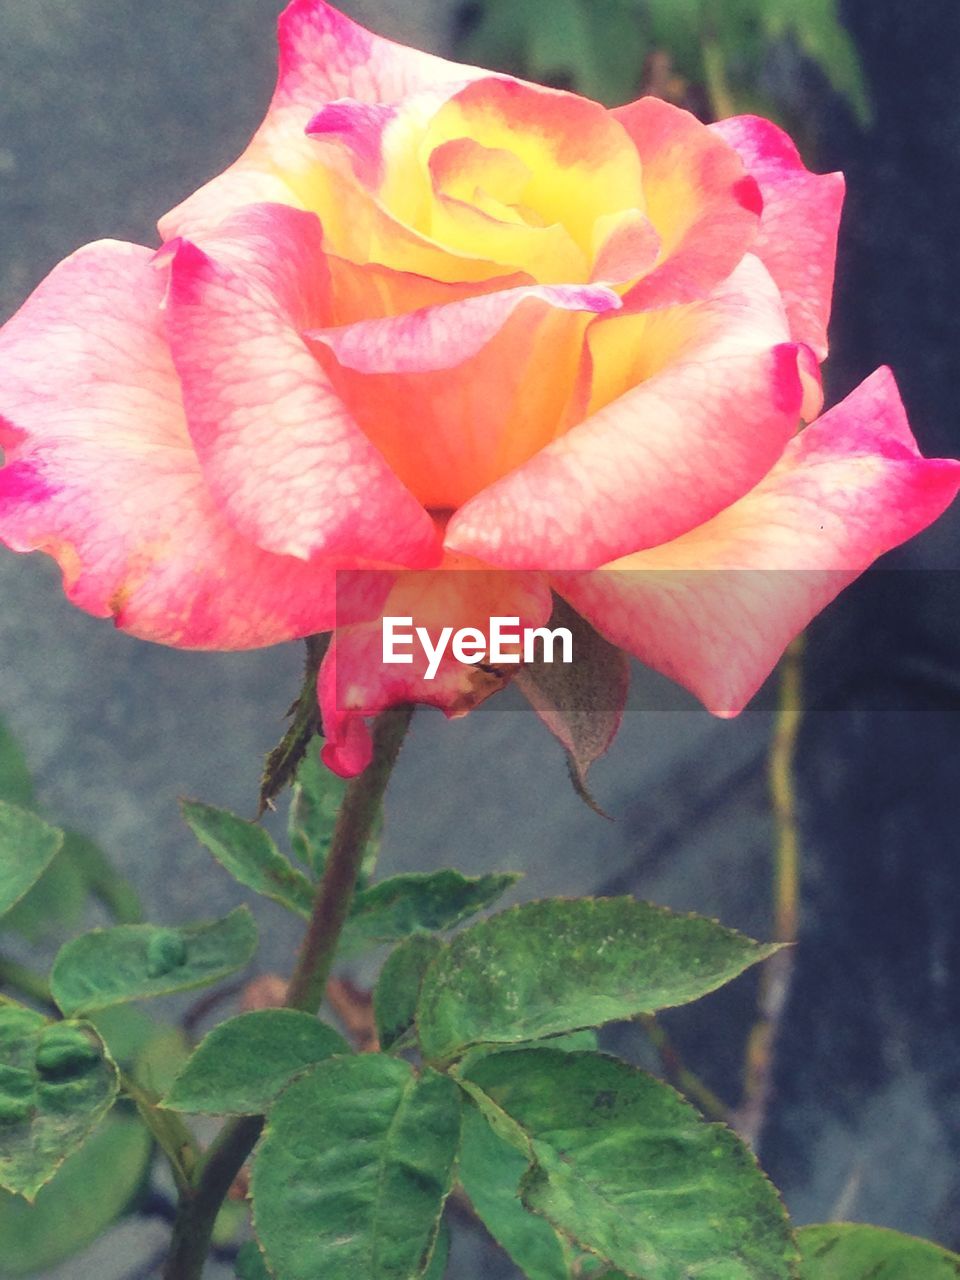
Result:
<point x="111" y="889"/>
<point x="629" y="1170"/>
<point x="490" y="1171"/>
<point x="232" y="1220"/>
<point x="249" y="854"/>
<point x="437" y="1266"/>
<point x="317" y="796"/>
<point x="621" y="41"/>
<point x="281" y="764"/>
<point x="848" y="1251"/>
<point x="27" y="847"/>
<point x="561" y="52"/>
<point x="571" y="1042"/>
<point x="161" y="1059"/>
<point x="817" y="28"/>
<point x="126" y="1031"/>
<point x="676" y="27"/>
<point x="55" y="904"/>
<point x="16" y="785"/>
<point x="133" y="961"/>
<point x="427" y="900"/>
<point x="500" y="37"/>
<point x="370" y="1149"/>
<point x="241" y="1066"/>
<point x="398" y="987"/>
<point x="250" y="1264"/>
<point x="553" y="966"/>
<point x="581" y="703"/>
<point x="56" y="1084"/>
<point x="90" y="1191"/>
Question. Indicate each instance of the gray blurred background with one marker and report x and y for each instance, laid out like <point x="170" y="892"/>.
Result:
<point x="112" y="110"/>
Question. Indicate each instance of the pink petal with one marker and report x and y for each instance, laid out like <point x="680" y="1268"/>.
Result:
<point x="715" y="609"/>
<point x="798" y="229"/>
<point x="699" y="198"/>
<point x="354" y="682"/>
<point x="627" y="246"/>
<point x="280" y="453"/>
<point x="323" y="56"/>
<point x="456" y="395"/>
<point x="710" y="416"/>
<point x="101" y="473"/>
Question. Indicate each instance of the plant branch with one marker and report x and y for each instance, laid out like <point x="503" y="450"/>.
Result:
<point x="226" y="1156"/>
<point x="777" y="972"/>
<point x="172" y="1136"/>
<point x="679" y="1075"/>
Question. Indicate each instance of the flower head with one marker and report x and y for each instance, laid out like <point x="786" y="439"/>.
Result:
<point x="439" y="319"/>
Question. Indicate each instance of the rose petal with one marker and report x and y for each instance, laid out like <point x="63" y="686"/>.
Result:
<point x="280" y="453"/>
<point x="582" y="163"/>
<point x="323" y="56"/>
<point x="354" y="682"/>
<point x="719" y="395"/>
<point x="455" y="396"/>
<point x="699" y="198"/>
<point x="626" y="246"/>
<point x="101" y="473"/>
<point x="798" y="228"/>
<point x="715" y="609"/>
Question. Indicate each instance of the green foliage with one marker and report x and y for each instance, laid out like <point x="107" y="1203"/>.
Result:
<point x="370" y="1149"/>
<point x="16" y="785"/>
<point x="131" y="962"/>
<point x="430" y="900"/>
<point x="845" y="1251"/>
<point x="440" y="1255"/>
<point x="250" y="1264"/>
<point x="54" y="905"/>
<point x="548" y="967"/>
<point x="241" y="1066"/>
<point x="601" y="48"/>
<point x="91" y="1189"/>
<point x="249" y="854"/>
<point x="630" y="1171"/>
<point x="55" y="901"/>
<point x="57" y="1082"/>
<point x="398" y="987"/>
<point x="490" y="1171"/>
<point x="816" y="27"/>
<point x="101" y="879"/>
<point x="27" y="847"/>
<point x="382" y="914"/>
<point x="161" y="1059"/>
<point x="316" y="799"/>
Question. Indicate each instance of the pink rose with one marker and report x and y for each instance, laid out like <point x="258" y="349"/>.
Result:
<point x="437" y="318"/>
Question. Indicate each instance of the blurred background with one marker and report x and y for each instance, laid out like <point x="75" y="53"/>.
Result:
<point x="112" y="110"/>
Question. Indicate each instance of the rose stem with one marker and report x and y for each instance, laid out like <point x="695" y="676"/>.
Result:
<point x="218" y="1169"/>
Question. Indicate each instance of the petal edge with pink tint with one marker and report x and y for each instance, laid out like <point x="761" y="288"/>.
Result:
<point x="665" y="455"/>
<point x="101" y="473"/>
<point x="324" y="55"/>
<point x="798" y="226"/>
<point x="699" y="198"/>
<point x="281" y="455"/>
<point x="715" y="609"/>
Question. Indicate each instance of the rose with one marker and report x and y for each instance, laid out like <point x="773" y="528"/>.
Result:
<point x="437" y="318"/>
